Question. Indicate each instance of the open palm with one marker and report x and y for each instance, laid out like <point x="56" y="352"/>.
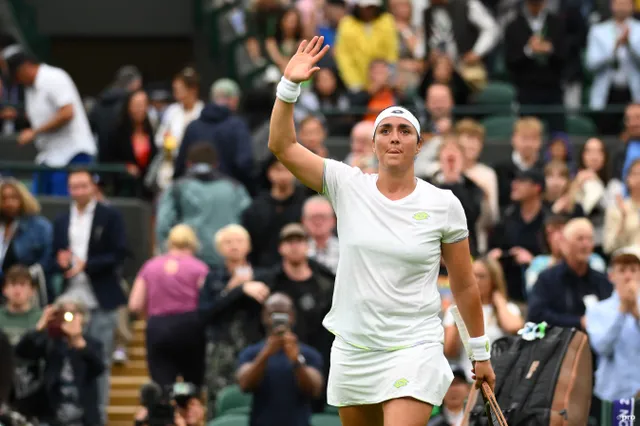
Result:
<point x="302" y="65"/>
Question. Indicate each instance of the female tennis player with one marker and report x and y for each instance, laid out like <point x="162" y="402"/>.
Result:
<point x="387" y="362"/>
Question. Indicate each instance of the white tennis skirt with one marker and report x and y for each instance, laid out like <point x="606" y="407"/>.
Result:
<point x="361" y="377"/>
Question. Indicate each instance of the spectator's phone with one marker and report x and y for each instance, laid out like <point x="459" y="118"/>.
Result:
<point x="54" y="328"/>
<point x="280" y="320"/>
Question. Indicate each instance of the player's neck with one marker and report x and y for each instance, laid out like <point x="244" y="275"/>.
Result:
<point x="396" y="185"/>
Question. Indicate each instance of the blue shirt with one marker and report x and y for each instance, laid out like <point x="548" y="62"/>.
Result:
<point x="615" y="337"/>
<point x="278" y="400"/>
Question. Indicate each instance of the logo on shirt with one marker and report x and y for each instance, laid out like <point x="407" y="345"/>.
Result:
<point x="400" y="383"/>
<point x="421" y="216"/>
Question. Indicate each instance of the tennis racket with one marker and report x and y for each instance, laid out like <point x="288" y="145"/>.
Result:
<point x="491" y="407"/>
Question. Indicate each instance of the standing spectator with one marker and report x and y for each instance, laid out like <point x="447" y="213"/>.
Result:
<point x="104" y="115"/>
<point x="563" y="292"/>
<point x="574" y="15"/>
<point x="204" y="199"/>
<point x="370" y="32"/>
<point x="462" y="30"/>
<point x="288" y="35"/>
<point x="26" y="236"/>
<point x="72" y="361"/>
<point x="60" y="128"/>
<point x="621" y="221"/>
<point x="166" y="292"/>
<point x="283" y="373"/>
<point x="535" y="57"/>
<point x="554" y="241"/>
<point x="612" y="325"/>
<point x="518" y="236"/>
<point x="334" y="11"/>
<point x="89" y="245"/>
<point x="18" y="315"/>
<point x="220" y="125"/>
<point x="526" y="142"/>
<point x="631" y="139"/>
<point x="131" y="140"/>
<point x="272" y="210"/>
<point x="263" y="17"/>
<point x="319" y="222"/>
<point x="186" y="89"/>
<point x="613" y="56"/>
<point x="312" y="134"/>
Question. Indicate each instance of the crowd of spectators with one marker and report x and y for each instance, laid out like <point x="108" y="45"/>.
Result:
<point x="246" y="256"/>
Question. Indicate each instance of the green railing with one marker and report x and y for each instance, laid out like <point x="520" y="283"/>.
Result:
<point x="25" y="15"/>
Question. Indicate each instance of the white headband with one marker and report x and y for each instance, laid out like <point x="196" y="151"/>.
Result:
<point x="397" y="111"/>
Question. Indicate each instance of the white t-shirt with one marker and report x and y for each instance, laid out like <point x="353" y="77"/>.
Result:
<point x="51" y="90"/>
<point x="491" y="329"/>
<point x="386" y="294"/>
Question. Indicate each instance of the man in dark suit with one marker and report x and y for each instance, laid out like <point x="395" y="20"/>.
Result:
<point x="89" y="244"/>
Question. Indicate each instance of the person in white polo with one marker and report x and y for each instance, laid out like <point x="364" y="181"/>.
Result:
<point x="59" y="125"/>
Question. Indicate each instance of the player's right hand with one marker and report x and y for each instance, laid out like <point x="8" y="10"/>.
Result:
<point x="483" y="372"/>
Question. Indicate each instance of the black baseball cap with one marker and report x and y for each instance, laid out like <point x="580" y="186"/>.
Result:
<point x="458" y="373"/>
<point x="15" y="56"/>
<point x="531" y="175"/>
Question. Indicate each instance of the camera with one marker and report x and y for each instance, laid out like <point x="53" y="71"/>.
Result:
<point x="280" y="321"/>
<point x="161" y="403"/>
<point x="54" y="328"/>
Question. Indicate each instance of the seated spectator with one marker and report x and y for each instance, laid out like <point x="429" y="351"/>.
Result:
<point x="563" y="292"/>
<point x="289" y="32"/>
<point x="131" y="141"/>
<point x="319" y="222"/>
<point x="360" y="142"/>
<point x="526" y="143"/>
<point x="559" y="195"/>
<point x="613" y="47"/>
<point x="554" y="240"/>
<point x="518" y="236"/>
<point x="612" y="325"/>
<point x="282" y="372"/>
<point x="535" y="57"/>
<point x="501" y="316"/>
<point x="187" y="108"/>
<point x="272" y="210"/>
<point x="204" y="199"/>
<point x="312" y="134"/>
<point x="166" y="291"/>
<point x="220" y="125"/>
<point x="595" y="188"/>
<point x="234" y="245"/>
<point x="452" y="410"/>
<point x="18" y="315"/>
<point x="262" y="17"/>
<point x="26" y="236"/>
<point x="334" y="11"/>
<point x="72" y="360"/>
<point x="451" y="177"/>
<point x="560" y="149"/>
<point x="371" y="32"/>
<point x="439" y="121"/>
<point x="621" y="221"/>
<point x="471" y="137"/>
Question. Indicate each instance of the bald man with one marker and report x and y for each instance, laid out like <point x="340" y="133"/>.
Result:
<point x="283" y="374"/>
<point x="563" y="292"/>
<point x="319" y="221"/>
<point x="360" y="142"/>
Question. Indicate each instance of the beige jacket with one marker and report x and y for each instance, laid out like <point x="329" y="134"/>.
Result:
<point x="618" y="234"/>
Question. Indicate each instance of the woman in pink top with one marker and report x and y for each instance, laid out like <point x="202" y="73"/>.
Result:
<point x="167" y="290"/>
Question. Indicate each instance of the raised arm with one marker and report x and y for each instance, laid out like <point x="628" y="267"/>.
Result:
<point x="304" y="164"/>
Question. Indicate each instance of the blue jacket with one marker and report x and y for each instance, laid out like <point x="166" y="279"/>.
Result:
<point x="31" y="243"/>
<point x="231" y="138"/>
<point x="106" y="254"/>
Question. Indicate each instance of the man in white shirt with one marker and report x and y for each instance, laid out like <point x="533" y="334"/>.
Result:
<point x="59" y="125"/>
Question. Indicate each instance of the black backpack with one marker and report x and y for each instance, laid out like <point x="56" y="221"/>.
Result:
<point x="541" y="381"/>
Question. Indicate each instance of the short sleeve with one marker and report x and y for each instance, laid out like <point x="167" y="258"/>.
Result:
<point x="247" y="355"/>
<point x="448" y="319"/>
<point x="314" y="359"/>
<point x="63" y="89"/>
<point x="144" y="271"/>
<point x="455" y="230"/>
<point x="334" y="175"/>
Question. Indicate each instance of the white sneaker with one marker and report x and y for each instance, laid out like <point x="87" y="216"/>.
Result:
<point x="120" y="356"/>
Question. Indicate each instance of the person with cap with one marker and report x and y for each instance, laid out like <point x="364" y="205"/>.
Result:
<point x="220" y="125"/>
<point x="387" y="361"/>
<point x="518" y="237"/>
<point x="371" y="33"/>
<point x="452" y="410"/>
<point x="60" y="128"/>
<point x="613" y="326"/>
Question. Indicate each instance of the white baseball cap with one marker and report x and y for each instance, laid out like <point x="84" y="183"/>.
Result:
<point x="365" y="3"/>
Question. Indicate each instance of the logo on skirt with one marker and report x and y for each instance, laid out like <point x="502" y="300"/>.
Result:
<point x="400" y="383"/>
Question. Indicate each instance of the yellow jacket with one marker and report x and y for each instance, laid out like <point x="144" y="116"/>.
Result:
<point x="356" y="46"/>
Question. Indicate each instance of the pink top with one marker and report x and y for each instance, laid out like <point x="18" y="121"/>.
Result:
<point x="172" y="283"/>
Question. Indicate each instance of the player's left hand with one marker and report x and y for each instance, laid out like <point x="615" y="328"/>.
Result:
<point x="483" y="372"/>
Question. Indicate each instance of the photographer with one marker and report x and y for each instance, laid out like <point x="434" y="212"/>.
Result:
<point x="182" y="408"/>
<point x="73" y="363"/>
<point x="282" y="374"/>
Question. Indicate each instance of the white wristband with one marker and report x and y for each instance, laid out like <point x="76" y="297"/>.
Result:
<point x="288" y="91"/>
<point x="480" y="348"/>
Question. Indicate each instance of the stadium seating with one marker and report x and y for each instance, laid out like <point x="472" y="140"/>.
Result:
<point x="579" y="125"/>
<point x="230" y="420"/>
<point x="325" y="420"/>
<point x="230" y="398"/>
<point x="499" y="126"/>
<point x="498" y="97"/>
